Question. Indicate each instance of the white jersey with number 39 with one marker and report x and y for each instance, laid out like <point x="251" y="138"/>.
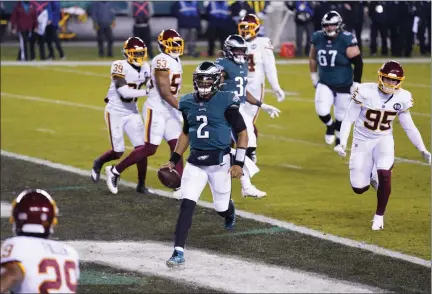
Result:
<point x="164" y="62"/>
<point x="135" y="79"/>
<point x="378" y="110"/>
<point x="49" y="266"/>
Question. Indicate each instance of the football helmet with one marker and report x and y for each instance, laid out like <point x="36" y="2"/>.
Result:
<point x="171" y="43"/>
<point x="135" y="51"/>
<point x="249" y="26"/>
<point x="34" y="213"/>
<point x="235" y="48"/>
<point x="390" y="77"/>
<point x="207" y="79"/>
<point x="331" y="23"/>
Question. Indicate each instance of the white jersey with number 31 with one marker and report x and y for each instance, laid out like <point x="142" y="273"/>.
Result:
<point x="378" y="110"/>
<point x="164" y="62"/>
<point x="49" y="266"/>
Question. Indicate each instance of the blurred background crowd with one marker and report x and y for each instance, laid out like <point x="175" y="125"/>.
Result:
<point x="385" y="28"/>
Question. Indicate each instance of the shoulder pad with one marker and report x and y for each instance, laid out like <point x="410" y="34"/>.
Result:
<point x="118" y="68"/>
<point x="160" y="63"/>
<point x="13" y="249"/>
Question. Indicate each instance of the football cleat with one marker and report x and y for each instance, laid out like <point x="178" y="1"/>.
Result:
<point x="252" y="191"/>
<point x="177" y="259"/>
<point x="177" y="194"/>
<point x="95" y="172"/>
<point x="378" y="222"/>
<point x="230" y="221"/>
<point x="112" y="179"/>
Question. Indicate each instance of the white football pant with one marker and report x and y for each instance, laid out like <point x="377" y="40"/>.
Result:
<point x="326" y="98"/>
<point x="132" y="124"/>
<point x="160" y="125"/>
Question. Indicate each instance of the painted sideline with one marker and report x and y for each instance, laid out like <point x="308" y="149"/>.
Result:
<point x="244" y="214"/>
<point x="209" y="269"/>
<point x="195" y="62"/>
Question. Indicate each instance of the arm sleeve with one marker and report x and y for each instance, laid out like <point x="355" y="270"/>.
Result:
<point x="351" y="115"/>
<point x="357" y="61"/>
<point x="270" y="67"/>
<point x="185" y="124"/>
<point x="235" y="119"/>
<point x="411" y="130"/>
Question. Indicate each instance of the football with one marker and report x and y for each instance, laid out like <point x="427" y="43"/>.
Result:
<point x="170" y="179"/>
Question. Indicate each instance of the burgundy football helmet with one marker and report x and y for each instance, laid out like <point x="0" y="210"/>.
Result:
<point x="171" y="43"/>
<point x="135" y="51"/>
<point x="249" y="26"/>
<point x="390" y="77"/>
<point x="34" y="213"/>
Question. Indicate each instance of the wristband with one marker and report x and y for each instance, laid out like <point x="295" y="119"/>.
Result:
<point x="240" y="157"/>
<point x="175" y="158"/>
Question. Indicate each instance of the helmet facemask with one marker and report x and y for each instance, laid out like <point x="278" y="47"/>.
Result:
<point x="206" y="84"/>
<point x="236" y="54"/>
<point x="173" y="47"/>
<point x="136" y="57"/>
<point x="248" y="30"/>
<point x="389" y="83"/>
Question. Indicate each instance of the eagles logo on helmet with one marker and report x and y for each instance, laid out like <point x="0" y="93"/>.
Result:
<point x="171" y="43"/>
<point x="390" y="77"/>
<point x="235" y="48"/>
<point x="331" y="23"/>
<point x="135" y="51"/>
<point x="249" y="26"/>
<point x="34" y="213"/>
<point x="207" y="79"/>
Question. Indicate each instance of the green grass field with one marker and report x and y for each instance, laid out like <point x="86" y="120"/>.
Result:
<point x="306" y="182"/>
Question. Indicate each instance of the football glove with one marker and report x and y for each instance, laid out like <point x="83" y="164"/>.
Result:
<point x="427" y="156"/>
<point x="280" y="94"/>
<point x="340" y="150"/>
<point x="314" y="78"/>
<point x="271" y="110"/>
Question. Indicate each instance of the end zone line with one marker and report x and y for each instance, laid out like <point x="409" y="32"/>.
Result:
<point x="248" y="215"/>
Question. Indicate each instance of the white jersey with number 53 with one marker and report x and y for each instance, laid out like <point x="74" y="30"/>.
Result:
<point x="164" y="62"/>
<point x="134" y="78"/>
<point x="49" y="266"/>
<point x="378" y="110"/>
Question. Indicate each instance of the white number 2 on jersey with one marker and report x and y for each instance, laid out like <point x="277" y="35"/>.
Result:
<point x="204" y="122"/>
<point x="241" y="85"/>
<point x="322" y="58"/>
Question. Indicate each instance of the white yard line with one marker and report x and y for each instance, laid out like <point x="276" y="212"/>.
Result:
<point x="45" y="131"/>
<point x="290" y="166"/>
<point x="241" y="213"/>
<point x="274" y="137"/>
<point x="211" y="270"/>
<point x="196" y="62"/>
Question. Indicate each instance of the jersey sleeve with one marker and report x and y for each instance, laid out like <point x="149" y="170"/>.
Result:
<point x="350" y="39"/>
<point x="407" y="103"/>
<point x="268" y="44"/>
<point x="220" y="63"/>
<point x="356" y="96"/>
<point x="160" y="63"/>
<point x="315" y="38"/>
<point x="233" y="101"/>
<point x="117" y="69"/>
<point x="182" y="104"/>
<point x="14" y="251"/>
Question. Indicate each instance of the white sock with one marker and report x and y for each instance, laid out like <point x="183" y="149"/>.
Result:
<point x="245" y="180"/>
<point x="330" y="122"/>
<point x="179" y="248"/>
<point x="114" y="170"/>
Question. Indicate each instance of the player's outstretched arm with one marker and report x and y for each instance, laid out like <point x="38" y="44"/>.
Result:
<point x="271" y="72"/>
<point x="313" y="68"/>
<point x="11" y="274"/>
<point x="163" y="85"/>
<point x="353" y="112"/>
<point x="355" y="57"/>
<point x="413" y="134"/>
<point x="125" y="91"/>
<point x="271" y="110"/>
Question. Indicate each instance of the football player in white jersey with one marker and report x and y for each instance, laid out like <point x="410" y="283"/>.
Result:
<point x="30" y="262"/>
<point x="160" y="111"/>
<point x="372" y="109"/>
<point x="121" y="111"/>
<point x="261" y="63"/>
